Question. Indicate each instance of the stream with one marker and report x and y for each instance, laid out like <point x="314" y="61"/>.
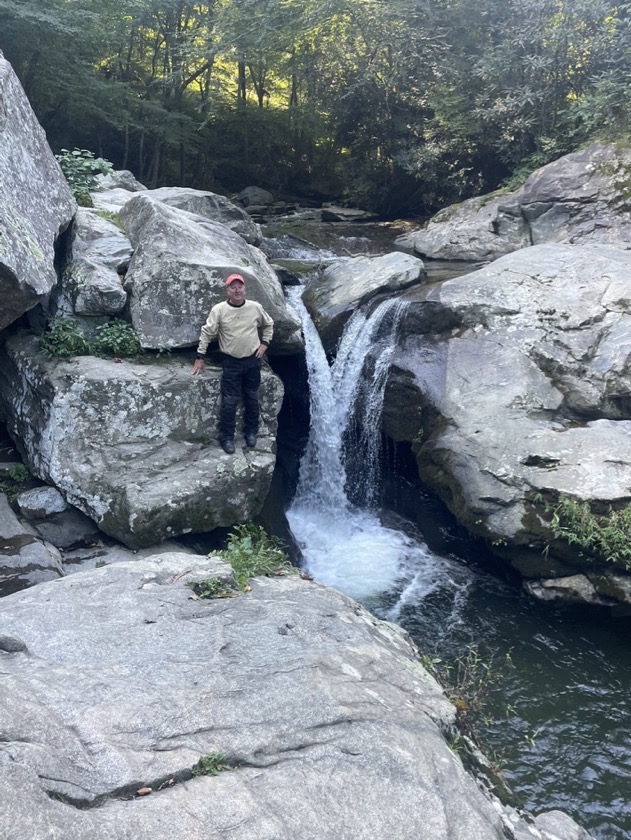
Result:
<point x="559" y="721"/>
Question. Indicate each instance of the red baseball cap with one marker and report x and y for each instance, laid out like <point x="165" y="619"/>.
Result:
<point x="234" y="277"/>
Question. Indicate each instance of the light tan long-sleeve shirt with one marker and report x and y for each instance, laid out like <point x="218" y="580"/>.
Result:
<point x="239" y="329"/>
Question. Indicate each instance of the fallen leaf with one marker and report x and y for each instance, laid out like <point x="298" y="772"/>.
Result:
<point x="144" y="791"/>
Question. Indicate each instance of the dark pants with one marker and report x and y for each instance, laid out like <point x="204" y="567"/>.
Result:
<point x="241" y="378"/>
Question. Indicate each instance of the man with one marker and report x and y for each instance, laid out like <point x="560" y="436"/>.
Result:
<point x="244" y="331"/>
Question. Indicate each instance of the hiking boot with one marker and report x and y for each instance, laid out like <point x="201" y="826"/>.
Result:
<point x="228" y="446"/>
<point x="250" y="440"/>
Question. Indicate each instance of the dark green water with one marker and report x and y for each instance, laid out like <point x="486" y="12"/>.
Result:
<point x="559" y="722"/>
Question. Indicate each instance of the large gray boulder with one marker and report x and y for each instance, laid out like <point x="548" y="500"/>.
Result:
<point x="92" y="281"/>
<point x="478" y="229"/>
<point x="211" y="206"/>
<point x="116" y="682"/>
<point x="345" y="284"/>
<point x="514" y="382"/>
<point x="113" y="194"/>
<point x="35" y="203"/>
<point x="581" y="198"/>
<point x="118" y="179"/>
<point x="132" y="445"/>
<point x="178" y="273"/>
<point x="255" y="196"/>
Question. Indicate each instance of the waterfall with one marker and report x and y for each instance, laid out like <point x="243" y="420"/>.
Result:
<point x="366" y="401"/>
<point x="335" y="392"/>
<point x="343" y="545"/>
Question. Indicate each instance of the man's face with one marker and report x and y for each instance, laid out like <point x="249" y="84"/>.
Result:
<point x="236" y="292"/>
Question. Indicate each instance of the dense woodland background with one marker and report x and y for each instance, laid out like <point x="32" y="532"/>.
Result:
<point x="399" y="106"/>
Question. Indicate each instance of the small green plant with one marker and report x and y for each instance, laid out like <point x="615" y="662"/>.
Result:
<point x="606" y="537"/>
<point x="19" y="473"/>
<point x="114" y="218"/>
<point x="211" y="765"/>
<point x="117" y="338"/>
<point x="80" y="169"/>
<point x="211" y="588"/>
<point x="468" y="682"/>
<point x="251" y="551"/>
<point x="430" y="662"/>
<point x="64" y="339"/>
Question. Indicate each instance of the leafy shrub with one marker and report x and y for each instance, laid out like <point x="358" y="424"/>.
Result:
<point x="64" y="339"/>
<point x="251" y="551"/>
<point x="19" y="473"/>
<point x="607" y="537"/>
<point x="80" y="169"/>
<point x="117" y="338"/>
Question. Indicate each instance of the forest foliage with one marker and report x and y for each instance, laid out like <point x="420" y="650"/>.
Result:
<point x="401" y="106"/>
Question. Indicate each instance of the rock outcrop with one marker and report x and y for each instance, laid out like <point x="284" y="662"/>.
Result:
<point x="582" y="198"/>
<point x="36" y="205"/>
<point x="211" y="206"/>
<point x="133" y="445"/>
<point x="24" y="558"/>
<point x="92" y="283"/>
<point x="178" y="273"/>
<point x="514" y="382"/>
<point x="316" y="719"/>
<point x="128" y="444"/>
<point x="345" y="284"/>
<point x="114" y="193"/>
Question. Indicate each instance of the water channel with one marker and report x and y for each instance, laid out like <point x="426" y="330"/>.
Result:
<point x="559" y="723"/>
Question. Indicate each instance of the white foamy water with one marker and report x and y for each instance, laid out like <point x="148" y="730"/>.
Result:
<point x="343" y="546"/>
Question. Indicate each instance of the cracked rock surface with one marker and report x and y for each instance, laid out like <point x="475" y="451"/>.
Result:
<point x="119" y="679"/>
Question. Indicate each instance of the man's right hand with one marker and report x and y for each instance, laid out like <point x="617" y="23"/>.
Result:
<point x="198" y="366"/>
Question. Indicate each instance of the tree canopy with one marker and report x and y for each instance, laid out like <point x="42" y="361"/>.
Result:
<point x="399" y="105"/>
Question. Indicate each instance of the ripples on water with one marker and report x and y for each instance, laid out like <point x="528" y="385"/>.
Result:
<point x="560" y="725"/>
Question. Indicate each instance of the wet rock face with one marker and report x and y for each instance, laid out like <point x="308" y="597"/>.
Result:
<point x="346" y="284"/>
<point x="520" y="390"/>
<point x="36" y="203"/>
<point x="116" y="681"/>
<point x="133" y="446"/>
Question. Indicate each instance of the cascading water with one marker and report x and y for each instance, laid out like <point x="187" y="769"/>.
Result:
<point x="344" y="545"/>
<point x="366" y="402"/>
<point x="568" y="692"/>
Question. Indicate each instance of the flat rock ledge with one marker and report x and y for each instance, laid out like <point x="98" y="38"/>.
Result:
<point x="120" y="679"/>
